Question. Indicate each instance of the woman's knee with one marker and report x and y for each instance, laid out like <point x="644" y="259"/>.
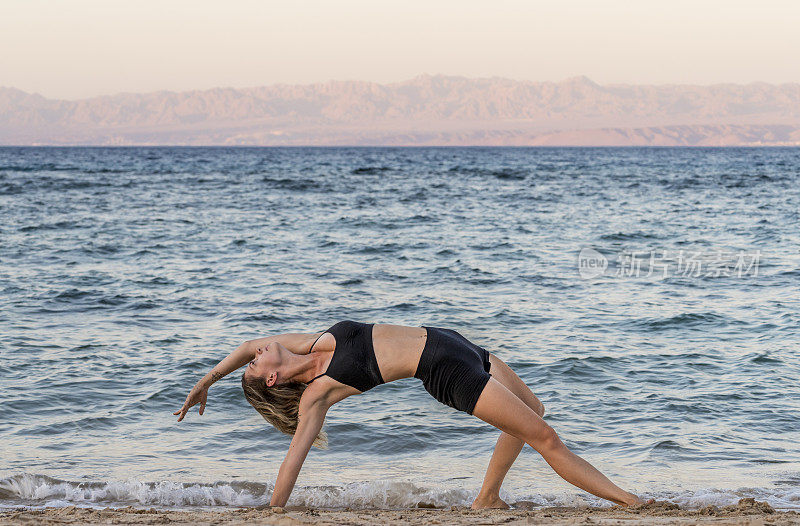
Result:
<point x="545" y="439"/>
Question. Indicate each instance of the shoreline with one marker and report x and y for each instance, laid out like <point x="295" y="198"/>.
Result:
<point x="747" y="511"/>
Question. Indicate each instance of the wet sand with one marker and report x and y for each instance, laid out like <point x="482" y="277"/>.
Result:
<point x="746" y="512"/>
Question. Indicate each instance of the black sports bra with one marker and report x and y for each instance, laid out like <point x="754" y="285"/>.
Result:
<point x="353" y="362"/>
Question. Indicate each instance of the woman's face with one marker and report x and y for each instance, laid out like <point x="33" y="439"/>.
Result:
<point x="267" y="363"/>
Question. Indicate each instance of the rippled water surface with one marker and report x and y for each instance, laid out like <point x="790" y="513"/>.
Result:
<point x="126" y="274"/>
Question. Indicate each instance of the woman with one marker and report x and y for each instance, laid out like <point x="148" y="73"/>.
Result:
<point x="293" y="379"/>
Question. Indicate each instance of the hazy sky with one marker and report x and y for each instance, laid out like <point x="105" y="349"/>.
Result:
<point x="80" y="48"/>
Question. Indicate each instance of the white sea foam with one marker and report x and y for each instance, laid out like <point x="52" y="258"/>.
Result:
<point x="41" y="491"/>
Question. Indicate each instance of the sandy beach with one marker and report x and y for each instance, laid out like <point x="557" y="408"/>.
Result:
<point x="746" y="512"/>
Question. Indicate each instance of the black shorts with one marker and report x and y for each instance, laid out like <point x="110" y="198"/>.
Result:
<point x="453" y="369"/>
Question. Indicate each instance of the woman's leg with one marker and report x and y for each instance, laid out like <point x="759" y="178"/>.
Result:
<point x="508" y="446"/>
<point x="499" y="407"/>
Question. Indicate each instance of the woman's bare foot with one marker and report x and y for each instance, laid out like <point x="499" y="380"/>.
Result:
<point x="639" y="502"/>
<point x="486" y="503"/>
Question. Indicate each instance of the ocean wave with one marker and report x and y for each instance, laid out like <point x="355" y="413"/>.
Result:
<point x="518" y="174"/>
<point x="40" y="489"/>
<point x="370" y="170"/>
<point x="33" y="489"/>
<point x="43" y="491"/>
<point x="287" y="183"/>
<point x="679" y="321"/>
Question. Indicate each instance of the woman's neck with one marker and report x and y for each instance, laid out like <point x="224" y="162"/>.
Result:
<point x="306" y="367"/>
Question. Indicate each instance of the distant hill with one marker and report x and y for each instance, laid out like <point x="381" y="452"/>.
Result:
<point x="426" y="110"/>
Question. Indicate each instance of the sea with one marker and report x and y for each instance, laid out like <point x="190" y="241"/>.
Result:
<point x="650" y="297"/>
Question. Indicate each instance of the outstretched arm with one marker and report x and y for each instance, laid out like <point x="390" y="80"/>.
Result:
<point x="311" y="415"/>
<point x="239" y="357"/>
<point x="298" y="343"/>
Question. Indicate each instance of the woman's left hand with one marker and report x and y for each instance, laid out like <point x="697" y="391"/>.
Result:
<point x="197" y="395"/>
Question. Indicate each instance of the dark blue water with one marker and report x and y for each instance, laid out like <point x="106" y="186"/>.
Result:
<point x="126" y="274"/>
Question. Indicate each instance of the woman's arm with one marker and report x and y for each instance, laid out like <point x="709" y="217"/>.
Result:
<point x="310" y="415"/>
<point x="238" y="358"/>
<point x="298" y="343"/>
<point x="199" y="393"/>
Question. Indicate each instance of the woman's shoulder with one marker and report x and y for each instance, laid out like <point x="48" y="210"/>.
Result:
<point x="327" y="391"/>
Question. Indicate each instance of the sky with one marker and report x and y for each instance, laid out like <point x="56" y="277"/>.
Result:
<point x="74" y="49"/>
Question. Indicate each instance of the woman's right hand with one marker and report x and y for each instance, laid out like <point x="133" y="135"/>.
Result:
<point x="197" y="395"/>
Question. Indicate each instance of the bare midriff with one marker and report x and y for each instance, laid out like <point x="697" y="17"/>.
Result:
<point x="398" y="349"/>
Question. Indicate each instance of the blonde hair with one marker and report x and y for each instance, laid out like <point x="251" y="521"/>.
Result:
<point x="279" y="405"/>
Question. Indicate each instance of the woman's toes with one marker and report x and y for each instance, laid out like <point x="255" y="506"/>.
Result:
<point x="489" y="503"/>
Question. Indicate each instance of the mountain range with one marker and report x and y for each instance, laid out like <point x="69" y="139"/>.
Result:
<point x="425" y="110"/>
